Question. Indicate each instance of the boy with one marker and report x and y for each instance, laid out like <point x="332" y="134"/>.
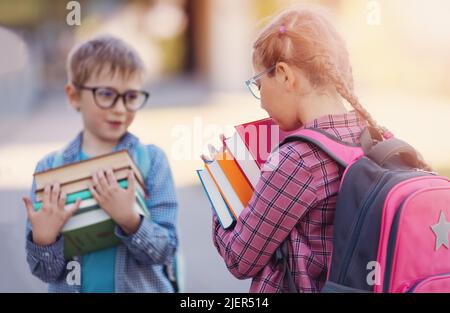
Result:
<point x="104" y="80"/>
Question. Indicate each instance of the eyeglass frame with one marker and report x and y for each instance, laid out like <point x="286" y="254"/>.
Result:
<point x="255" y="78"/>
<point x="118" y="95"/>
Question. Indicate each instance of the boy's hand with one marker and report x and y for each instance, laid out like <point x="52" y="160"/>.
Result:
<point x="116" y="201"/>
<point x="48" y="222"/>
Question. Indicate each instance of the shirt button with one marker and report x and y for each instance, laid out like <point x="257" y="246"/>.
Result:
<point x="46" y="254"/>
<point x="138" y="241"/>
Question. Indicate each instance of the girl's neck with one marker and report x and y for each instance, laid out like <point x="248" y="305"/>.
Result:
<point x="320" y="105"/>
<point x="94" y="146"/>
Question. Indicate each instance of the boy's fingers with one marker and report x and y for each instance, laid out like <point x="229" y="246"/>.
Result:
<point x="62" y="200"/>
<point x="71" y="211"/>
<point x="54" y="194"/>
<point x="103" y="183"/>
<point x="111" y="178"/>
<point x="28" y="206"/>
<point x="94" y="194"/>
<point x="46" y="199"/>
<point x="131" y="182"/>
<point x="96" y="184"/>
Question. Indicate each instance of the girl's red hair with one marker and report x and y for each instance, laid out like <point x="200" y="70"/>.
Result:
<point x="305" y="38"/>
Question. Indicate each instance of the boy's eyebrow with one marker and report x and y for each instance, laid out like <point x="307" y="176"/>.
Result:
<point x="111" y="87"/>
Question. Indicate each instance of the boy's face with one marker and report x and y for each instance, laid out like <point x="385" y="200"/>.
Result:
<point x="106" y="124"/>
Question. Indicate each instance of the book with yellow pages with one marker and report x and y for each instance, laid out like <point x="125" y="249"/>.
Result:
<point x="76" y="176"/>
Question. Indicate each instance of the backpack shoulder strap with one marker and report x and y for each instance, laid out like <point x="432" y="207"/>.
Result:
<point x="58" y="159"/>
<point x="143" y="159"/>
<point x="342" y="152"/>
<point x="172" y="270"/>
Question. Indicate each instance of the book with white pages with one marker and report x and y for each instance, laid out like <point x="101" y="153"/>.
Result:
<point x="225" y="188"/>
<point x="218" y="204"/>
<point x="243" y="158"/>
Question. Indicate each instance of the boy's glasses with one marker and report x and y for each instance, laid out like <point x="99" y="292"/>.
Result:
<point x="106" y="97"/>
<point x="254" y="85"/>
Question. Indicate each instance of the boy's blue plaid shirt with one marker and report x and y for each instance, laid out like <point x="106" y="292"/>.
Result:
<point x="141" y="256"/>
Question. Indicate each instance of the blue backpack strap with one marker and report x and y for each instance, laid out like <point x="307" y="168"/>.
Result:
<point x="58" y="159"/>
<point x="143" y="160"/>
<point x="172" y="270"/>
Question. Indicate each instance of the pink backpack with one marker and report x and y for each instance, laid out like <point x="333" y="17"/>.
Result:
<point x="392" y="220"/>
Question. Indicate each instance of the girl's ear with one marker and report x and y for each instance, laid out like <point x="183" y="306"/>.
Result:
<point x="73" y="96"/>
<point x="285" y="75"/>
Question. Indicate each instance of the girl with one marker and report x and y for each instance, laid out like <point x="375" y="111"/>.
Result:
<point x="304" y="74"/>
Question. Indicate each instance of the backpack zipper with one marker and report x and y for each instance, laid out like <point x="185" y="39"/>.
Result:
<point x="418" y="282"/>
<point x="391" y="246"/>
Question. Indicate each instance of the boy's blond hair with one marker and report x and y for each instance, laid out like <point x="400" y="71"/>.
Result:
<point x="103" y="52"/>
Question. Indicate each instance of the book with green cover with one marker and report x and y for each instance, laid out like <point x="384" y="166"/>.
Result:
<point x="90" y="238"/>
<point x="90" y="228"/>
<point x="91" y="231"/>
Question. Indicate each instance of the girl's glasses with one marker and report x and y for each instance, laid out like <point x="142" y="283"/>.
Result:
<point x="106" y="97"/>
<point x="254" y="85"/>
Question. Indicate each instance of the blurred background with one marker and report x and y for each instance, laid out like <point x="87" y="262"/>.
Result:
<point x="198" y="55"/>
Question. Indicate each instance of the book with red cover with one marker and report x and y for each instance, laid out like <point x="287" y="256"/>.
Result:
<point x="261" y="137"/>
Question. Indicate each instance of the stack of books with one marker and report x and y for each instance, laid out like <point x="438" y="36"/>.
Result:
<point x="90" y="228"/>
<point x="230" y="177"/>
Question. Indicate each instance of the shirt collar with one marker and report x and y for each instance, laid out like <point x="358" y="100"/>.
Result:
<point x="71" y="152"/>
<point x="350" y="118"/>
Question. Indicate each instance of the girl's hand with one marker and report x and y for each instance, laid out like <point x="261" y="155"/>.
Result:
<point x="117" y="202"/>
<point x="213" y="152"/>
<point x="48" y="222"/>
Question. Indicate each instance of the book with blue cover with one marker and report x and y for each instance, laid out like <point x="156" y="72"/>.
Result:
<point x="218" y="204"/>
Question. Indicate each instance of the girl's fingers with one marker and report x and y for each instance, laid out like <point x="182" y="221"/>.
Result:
<point x="205" y="158"/>
<point x="28" y="206"/>
<point x="212" y="151"/>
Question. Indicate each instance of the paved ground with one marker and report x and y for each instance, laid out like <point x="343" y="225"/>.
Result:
<point x="423" y="121"/>
<point x="27" y="139"/>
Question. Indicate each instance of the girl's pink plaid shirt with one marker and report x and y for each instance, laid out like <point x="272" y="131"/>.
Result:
<point x="296" y="201"/>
